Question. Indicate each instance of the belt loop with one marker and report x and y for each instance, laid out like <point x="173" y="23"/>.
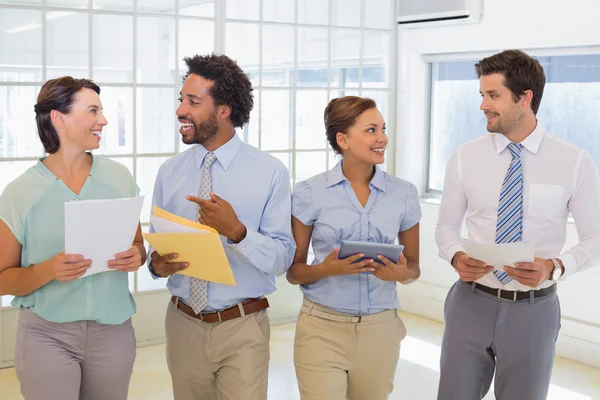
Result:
<point x="473" y="286"/>
<point x="176" y="301"/>
<point x="310" y="307"/>
<point x="531" y="296"/>
<point x="242" y="312"/>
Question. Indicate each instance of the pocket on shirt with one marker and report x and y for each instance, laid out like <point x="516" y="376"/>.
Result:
<point x="545" y="201"/>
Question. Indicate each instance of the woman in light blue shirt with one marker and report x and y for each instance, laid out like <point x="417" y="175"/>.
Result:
<point x="75" y="339"/>
<point x="348" y="332"/>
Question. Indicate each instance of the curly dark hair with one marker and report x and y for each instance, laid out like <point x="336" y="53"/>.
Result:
<point x="232" y="86"/>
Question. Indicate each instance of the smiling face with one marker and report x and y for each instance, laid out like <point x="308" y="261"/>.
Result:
<point x="197" y="112"/>
<point x="365" y="141"/>
<point x="82" y="127"/>
<point x="503" y="113"/>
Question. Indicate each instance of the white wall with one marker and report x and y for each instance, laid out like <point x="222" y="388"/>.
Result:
<point x="524" y="24"/>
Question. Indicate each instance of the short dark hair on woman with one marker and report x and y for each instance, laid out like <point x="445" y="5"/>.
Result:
<point x="232" y="86"/>
<point x="57" y="94"/>
<point x="341" y="113"/>
<point x="521" y="72"/>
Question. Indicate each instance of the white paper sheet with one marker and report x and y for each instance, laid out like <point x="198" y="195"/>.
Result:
<point x="99" y="229"/>
<point x="499" y="255"/>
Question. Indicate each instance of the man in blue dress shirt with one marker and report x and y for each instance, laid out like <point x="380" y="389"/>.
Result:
<point x="218" y="335"/>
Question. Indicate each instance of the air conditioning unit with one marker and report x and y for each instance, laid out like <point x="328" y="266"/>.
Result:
<point x="423" y="13"/>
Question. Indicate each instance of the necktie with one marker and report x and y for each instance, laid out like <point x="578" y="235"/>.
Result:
<point x="199" y="287"/>
<point x="509" y="227"/>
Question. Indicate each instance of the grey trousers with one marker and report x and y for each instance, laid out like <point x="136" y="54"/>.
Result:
<point x="81" y="360"/>
<point x="484" y="333"/>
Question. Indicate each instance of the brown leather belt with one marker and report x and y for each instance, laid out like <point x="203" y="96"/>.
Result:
<point x="239" y="310"/>
<point x="516" y="295"/>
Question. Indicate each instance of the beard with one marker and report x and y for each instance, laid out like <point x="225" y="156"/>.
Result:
<point x="203" y="131"/>
<point x="503" y="126"/>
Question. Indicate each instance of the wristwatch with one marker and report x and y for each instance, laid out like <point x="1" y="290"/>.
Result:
<point x="557" y="271"/>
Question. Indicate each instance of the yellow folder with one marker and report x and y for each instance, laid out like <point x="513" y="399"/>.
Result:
<point x="204" y="251"/>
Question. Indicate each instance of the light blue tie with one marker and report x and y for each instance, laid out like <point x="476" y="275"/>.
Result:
<point x="509" y="227"/>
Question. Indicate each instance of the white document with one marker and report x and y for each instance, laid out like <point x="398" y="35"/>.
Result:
<point x="162" y="225"/>
<point x="99" y="229"/>
<point x="499" y="255"/>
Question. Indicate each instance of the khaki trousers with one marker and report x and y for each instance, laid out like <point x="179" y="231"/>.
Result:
<point x="224" y="360"/>
<point x="346" y="358"/>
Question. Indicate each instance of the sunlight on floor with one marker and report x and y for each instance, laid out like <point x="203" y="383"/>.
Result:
<point x="416" y="377"/>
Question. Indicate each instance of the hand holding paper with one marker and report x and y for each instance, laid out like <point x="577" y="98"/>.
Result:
<point x="500" y="255"/>
<point x="100" y="229"/>
<point x="192" y="243"/>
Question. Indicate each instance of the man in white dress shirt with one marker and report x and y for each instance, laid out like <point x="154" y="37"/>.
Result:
<point x="516" y="184"/>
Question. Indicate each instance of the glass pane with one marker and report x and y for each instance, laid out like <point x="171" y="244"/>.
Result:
<point x="117" y="137"/>
<point x="145" y="281"/>
<point x="114" y="5"/>
<point x="376" y="59"/>
<point x="313" y="12"/>
<point x="243" y="9"/>
<point x="346" y="12"/>
<point x="69" y="3"/>
<point x="20" y="45"/>
<point x="126" y="161"/>
<point x="6" y="300"/>
<point x="312" y="57"/>
<point x="156" y="6"/>
<point x="18" y="130"/>
<point x="249" y="133"/>
<point x="22" y="2"/>
<point x="279" y="10"/>
<point x="275" y="120"/>
<point x="195" y="37"/>
<point x="242" y="44"/>
<point x="285" y="158"/>
<point x="113" y="48"/>
<point x="278" y="55"/>
<point x="310" y="128"/>
<point x="147" y="168"/>
<point x="382" y="100"/>
<point x="345" y="54"/>
<point x="309" y="164"/>
<point x="155" y="50"/>
<point x="332" y="158"/>
<point x="67" y="54"/>
<point x="11" y="170"/>
<point x="377" y="14"/>
<point x="197" y="8"/>
<point x="334" y="94"/>
<point x="455" y="115"/>
<point x="156" y="120"/>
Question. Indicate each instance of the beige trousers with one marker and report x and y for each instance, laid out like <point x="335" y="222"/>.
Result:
<point x="225" y="360"/>
<point x="339" y="357"/>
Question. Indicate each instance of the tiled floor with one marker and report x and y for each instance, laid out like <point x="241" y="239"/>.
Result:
<point x="416" y="377"/>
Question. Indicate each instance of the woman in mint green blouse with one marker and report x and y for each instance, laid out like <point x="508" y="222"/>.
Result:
<point x="75" y="339"/>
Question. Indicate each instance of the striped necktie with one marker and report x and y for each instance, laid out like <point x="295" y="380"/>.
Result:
<point x="509" y="227"/>
<point x="199" y="287"/>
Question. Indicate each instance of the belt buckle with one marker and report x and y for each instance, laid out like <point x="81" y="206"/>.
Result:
<point x="502" y="298"/>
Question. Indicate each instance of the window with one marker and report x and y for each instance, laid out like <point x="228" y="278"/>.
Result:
<point x="299" y="54"/>
<point x="569" y="107"/>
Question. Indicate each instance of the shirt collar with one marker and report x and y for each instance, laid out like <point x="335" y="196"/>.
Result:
<point x="531" y="143"/>
<point x="41" y="167"/>
<point x="225" y="154"/>
<point x="336" y="175"/>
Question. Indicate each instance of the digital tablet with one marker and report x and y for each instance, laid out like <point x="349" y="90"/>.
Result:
<point x="371" y="250"/>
